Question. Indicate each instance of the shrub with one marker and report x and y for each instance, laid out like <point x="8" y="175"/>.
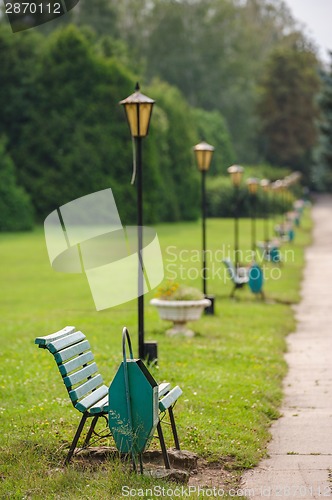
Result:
<point x="16" y="211"/>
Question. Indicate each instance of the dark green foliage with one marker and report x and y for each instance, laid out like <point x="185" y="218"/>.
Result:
<point x="16" y="213"/>
<point x="213" y="129"/>
<point x="74" y="142"/>
<point x="222" y="200"/>
<point x="287" y="107"/>
<point x="322" y="170"/>
<point x="214" y="51"/>
<point x="69" y="136"/>
<point x="19" y="56"/>
<point x="173" y="134"/>
<point x="102" y="16"/>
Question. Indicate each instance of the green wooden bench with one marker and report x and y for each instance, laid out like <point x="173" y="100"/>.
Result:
<point x="86" y="388"/>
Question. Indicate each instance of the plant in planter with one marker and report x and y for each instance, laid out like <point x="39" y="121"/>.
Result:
<point x="179" y="304"/>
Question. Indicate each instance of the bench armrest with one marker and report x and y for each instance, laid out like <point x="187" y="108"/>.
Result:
<point x="170" y="398"/>
<point x="163" y="389"/>
<point x="44" y="341"/>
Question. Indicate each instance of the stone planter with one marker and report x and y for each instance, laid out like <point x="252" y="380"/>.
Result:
<point x="179" y="312"/>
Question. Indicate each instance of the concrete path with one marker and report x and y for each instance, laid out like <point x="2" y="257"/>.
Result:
<point x="300" y="463"/>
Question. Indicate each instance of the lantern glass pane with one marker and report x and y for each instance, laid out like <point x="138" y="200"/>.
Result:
<point x="138" y="116"/>
<point x="237" y="176"/>
<point x="131" y="112"/>
<point x="203" y="159"/>
<point x="253" y="187"/>
<point x="145" y="110"/>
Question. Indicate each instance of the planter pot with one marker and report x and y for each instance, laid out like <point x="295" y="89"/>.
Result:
<point x="179" y="312"/>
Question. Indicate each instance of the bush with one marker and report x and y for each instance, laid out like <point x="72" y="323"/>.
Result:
<point x="16" y="211"/>
<point x="221" y="200"/>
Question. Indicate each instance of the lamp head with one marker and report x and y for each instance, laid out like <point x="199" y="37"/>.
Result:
<point x="265" y="185"/>
<point x="236" y="172"/>
<point x="138" y="109"/>
<point x="203" y="152"/>
<point x="252" y="184"/>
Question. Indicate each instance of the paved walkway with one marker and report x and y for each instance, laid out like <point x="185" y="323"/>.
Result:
<point x="300" y="463"/>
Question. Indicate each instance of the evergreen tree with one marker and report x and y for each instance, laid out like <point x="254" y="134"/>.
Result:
<point x="322" y="171"/>
<point x="288" y="109"/>
<point x="16" y="213"/>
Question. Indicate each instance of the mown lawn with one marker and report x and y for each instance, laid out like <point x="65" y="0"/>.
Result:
<point x="230" y="372"/>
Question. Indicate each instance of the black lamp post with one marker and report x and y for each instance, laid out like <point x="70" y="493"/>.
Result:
<point x="236" y="173"/>
<point x="265" y="185"/>
<point x="204" y="152"/>
<point x="277" y="186"/>
<point x="253" y="184"/>
<point x="138" y="108"/>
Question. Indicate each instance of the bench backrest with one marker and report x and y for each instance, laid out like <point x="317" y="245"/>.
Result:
<point x="71" y="351"/>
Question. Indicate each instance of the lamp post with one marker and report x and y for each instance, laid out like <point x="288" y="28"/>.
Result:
<point x="277" y="187"/>
<point x="138" y="109"/>
<point x="253" y="184"/>
<point x="265" y="185"/>
<point x="204" y="152"/>
<point x="236" y="173"/>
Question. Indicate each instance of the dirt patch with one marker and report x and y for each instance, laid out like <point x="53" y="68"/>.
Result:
<point x="210" y="475"/>
<point x="186" y="467"/>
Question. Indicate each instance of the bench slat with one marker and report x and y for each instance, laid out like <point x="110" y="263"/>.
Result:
<point x="73" y="364"/>
<point x="100" y="407"/>
<point x="70" y="352"/>
<point x="92" y="399"/>
<point x="64" y="342"/>
<point x="80" y="375"/>
<point x="83" y="389"/>
<point x="163" y="388"/>
<point x="170" y="398"/>
<point x="44" y="341"/>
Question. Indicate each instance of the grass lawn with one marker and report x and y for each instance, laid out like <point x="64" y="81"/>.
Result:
<point x="230" y="372"/>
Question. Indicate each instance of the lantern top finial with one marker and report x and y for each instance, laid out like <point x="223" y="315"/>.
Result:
<point x="137" y="97"/>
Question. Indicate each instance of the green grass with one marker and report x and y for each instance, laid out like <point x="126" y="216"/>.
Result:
<point x="230" y="372"/>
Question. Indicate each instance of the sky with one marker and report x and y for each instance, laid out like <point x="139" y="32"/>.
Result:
<point x="317" y="16"/>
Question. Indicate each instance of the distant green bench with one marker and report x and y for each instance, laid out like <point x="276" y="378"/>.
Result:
<point x="86" y="388"/>
<point x="238" y="279"/>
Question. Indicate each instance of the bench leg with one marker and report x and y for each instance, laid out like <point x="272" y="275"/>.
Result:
<point x="76" y="438"/>
<point x="140" y="463"/>
<point x="92" y="428"/>
<point x="163" y="446"/>
<point x="175" y="434"/>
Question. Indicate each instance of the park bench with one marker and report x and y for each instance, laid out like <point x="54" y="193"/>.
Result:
<point x="270" y="251"/>
<point x="285" y="232"/>
<point x="87" y="391"/>
<point x="239" y="277"/>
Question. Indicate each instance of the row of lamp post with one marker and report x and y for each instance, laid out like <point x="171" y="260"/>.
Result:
<point x="236" y="173"/>
<point x="138" y="109"/>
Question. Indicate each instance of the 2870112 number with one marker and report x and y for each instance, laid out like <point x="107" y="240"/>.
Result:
<point x="32" y="8"/>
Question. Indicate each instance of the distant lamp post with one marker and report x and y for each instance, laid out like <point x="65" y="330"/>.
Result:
<point x="203" y="153"/>
<point x="276" y="187"/>
<point x="236" y="173"/>
<point x="265" y="185"/>
<point x="253" y="184"/>
<point x="138" y="109"/>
